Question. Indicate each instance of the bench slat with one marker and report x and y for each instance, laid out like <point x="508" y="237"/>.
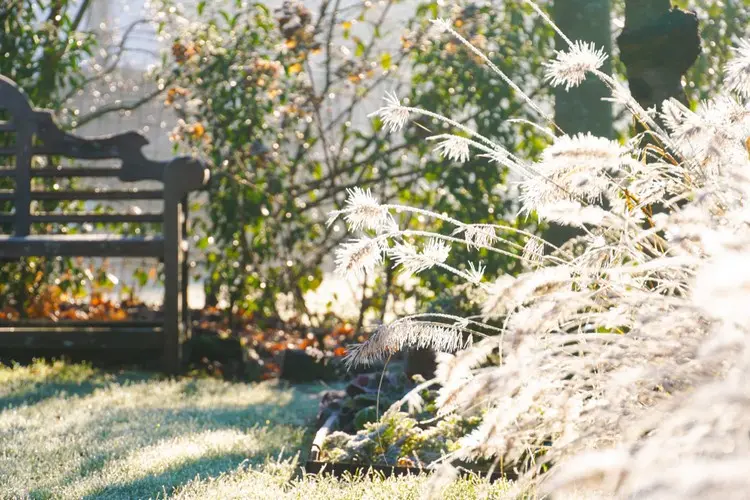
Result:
<point x="82" y="218"/>
<point x="65" y="172"/>
<point x="67" y="323"/>
<point x="129" y="194"/>
<point x="81" y="338"/>
<point x="80" y="245"/>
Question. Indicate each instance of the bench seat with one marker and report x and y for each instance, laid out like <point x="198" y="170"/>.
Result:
<point x="64" y="338"/>
<point x="81" y="245"/>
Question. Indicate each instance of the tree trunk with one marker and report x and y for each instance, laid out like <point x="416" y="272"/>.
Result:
<point x="582" y="109"/>
<point x="658" y="45"/>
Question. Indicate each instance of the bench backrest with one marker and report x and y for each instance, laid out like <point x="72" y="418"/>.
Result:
<point x="30" y="132"/>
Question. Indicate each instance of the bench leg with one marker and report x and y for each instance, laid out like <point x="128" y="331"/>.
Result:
<point x="181" y="176"/>
<point x="172" y="296"/>
<point x="185" y="274"/>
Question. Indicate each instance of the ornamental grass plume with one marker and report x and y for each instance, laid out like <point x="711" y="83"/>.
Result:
<point x="570" y="68"/>
<point x="621" y="357"/>
<point x="453" y="147"/>
<point x="738" y="70"/>
<point x="363" y="211"/>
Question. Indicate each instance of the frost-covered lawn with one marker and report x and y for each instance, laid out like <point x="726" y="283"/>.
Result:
<point x="69" y="431"/>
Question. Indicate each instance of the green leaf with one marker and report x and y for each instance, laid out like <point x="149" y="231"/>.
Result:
<point x="385" y="60"/>
<point x="360" y="50"/>
<point x="365" y="416"/>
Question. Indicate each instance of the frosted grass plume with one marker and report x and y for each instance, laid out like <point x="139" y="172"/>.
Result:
<point x="615" y="338"/>
<point x="737" y="70"/>
<point x="570" y="67"/>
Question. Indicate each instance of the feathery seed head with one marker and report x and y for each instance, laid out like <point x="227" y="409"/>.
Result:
<point x="358" y="256"/>
<point x="476" y="273"/>
<point x="393" y="114"/>
<point x="533" y="251"/>
<point x="584" y="147"/>
<point x="441" y="24"/>
<point x="453" y="147"/>
<point x="572" y="213"/>
<point x="436" y="250"/>
<point x="413" y="261"/>
<point x="569" y="67"/>
<point x="737" y="70"/>
<point x="387" y="339"/>
<point x="364" y="211"/>
<point x="573" y="168"/>
<point x="674" y="113"/>
<point x="477" y="235"/>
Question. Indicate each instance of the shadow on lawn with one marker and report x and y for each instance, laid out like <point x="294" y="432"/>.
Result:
<point x="272" y="426"/>
<point x="154" y="485"/>
<point x="40" y="390"/>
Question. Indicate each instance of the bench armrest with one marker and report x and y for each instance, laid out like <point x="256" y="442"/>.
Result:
<point x="183" y="175"/>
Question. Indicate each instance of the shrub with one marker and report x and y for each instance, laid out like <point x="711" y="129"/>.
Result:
<point x="279" y="101"/>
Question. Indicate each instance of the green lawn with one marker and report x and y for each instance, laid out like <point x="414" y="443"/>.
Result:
<point x="70" y="431"/>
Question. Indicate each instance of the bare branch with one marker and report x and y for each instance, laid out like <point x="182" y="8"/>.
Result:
<point x="318" y="119"/>
<point x="120" y="49"/>
<point x="411" y="176"/>
<point x="85" y="4"/>
<point x="329" y="38"/>
<point x="111" y="108"/>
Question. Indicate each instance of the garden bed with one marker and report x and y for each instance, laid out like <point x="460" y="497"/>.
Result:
<point x="347" y="469"/>
<point x="232" y="346"/>
<point x="338" y="469"/>
<point x="361" y="431"/>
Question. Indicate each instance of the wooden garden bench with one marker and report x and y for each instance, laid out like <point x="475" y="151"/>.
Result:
<point x="26" y="230"/>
